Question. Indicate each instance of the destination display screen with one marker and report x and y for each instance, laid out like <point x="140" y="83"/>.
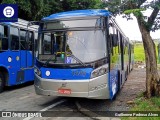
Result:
<point x="64" y="24"/>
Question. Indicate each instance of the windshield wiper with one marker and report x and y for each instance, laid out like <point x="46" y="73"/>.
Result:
<point x="73" y="56"/>
<point x="54" y="55"/>
<point x="68" y="53"/>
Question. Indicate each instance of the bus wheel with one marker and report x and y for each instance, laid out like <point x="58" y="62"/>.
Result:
<point x="126" y="74"/>
<point x="1" y="82"/>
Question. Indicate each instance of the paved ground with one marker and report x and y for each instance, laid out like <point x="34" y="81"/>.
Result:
<point x="134" y="86"/>
<point x="23" y="98"/>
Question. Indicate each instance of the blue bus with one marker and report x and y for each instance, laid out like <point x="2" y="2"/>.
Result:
<point x="81" y="53"/>
<point x="16" y="61"/>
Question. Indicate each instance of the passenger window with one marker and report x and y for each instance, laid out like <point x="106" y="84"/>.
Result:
<point x="3" y="37"/>
<point x="23" y="39"/>
<point x="14" y="38"/>
<point x="1" y="31"/>
<point x="114" y="39"/>
<point x="36" y="40"/>
<point x="30" y="41"/>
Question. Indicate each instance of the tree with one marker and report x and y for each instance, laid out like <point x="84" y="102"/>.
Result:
<point x="79" y="4"/>
<point x="31" y="9"/>
<point x="146" y="24"/>
<point x="36" y="10"/>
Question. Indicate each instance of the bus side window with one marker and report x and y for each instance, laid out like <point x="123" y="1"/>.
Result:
<point x="36" y="40"/>
<point x="23" y="39"/>
<point x="3" y="37"/>
<point x="111" y="32"/>
<point x="14" y="38"/>
<point x="30" y="41"/>
<point x="113" y="39"/>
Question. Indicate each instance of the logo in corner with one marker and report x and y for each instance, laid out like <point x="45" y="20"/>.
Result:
<point x="8" y="11"/>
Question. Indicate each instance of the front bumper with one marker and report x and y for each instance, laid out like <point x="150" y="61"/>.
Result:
<point x="96" y="88"/>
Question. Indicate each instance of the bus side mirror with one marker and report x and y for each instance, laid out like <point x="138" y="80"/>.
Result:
<point x="114" y="39"/>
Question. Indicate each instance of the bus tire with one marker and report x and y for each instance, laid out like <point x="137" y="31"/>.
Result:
<point x="114" y="97"/>
<point x="1" y="82"/>
<point x="126" y="74"/>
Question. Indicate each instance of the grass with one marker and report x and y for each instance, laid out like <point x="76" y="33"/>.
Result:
<point x="142" y="104"/>
<point x="139" y="54"/>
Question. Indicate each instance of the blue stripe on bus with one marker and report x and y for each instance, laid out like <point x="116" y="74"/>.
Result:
<point x="78" y="13"/>
<point x="67" y="74"/>
<point x="113" y="82"/>
<point x="7" y="23"/>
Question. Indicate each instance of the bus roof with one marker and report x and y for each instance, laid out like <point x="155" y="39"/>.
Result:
<point x="78" y="13"/>
<point x="21" y="23"/>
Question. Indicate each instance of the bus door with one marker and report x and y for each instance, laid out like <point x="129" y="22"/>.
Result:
<point x="26" y="49"/>
<point x="30" y="49"/>
<point x="122" y="59"/>
<point x="122" y="52"/>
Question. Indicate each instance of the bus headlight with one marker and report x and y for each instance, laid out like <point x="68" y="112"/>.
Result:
<point x="99" y="71"/>
<point x="48" y="73"/>
<point x="37" y="71"/>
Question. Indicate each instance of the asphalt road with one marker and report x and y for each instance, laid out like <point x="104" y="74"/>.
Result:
<point x="23" y="98"/>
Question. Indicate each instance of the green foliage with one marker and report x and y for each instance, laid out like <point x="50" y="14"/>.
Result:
<point x="9" y="1"/>
<point x="80" y="4"/>
<point x="36" y="9"/>
<point x="156" y="101"/>
<point x="136" y="12"/>
<point x="139" y="52"/>
<point x="99" y="4"/>
<point x="143" y="104"/>
<point x="136" y="7"/>
<point x="113" y="6"/>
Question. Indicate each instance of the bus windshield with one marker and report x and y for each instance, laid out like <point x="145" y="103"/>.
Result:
<point x="72" y="47"/>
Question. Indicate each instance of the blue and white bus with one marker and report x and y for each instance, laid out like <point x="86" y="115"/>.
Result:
<point x="16" y="59"/>
<point x="81" y="53"/>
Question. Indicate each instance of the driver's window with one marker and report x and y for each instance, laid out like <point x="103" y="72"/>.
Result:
<point x="47" y="43"/>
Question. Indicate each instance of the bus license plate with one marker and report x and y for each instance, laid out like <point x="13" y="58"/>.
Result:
<point x="64" y="91"/>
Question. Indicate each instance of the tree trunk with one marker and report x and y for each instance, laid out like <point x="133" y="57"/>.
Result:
<point x="152" y="77"/>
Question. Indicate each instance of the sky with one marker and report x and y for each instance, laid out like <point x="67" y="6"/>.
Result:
<point x="131" y="29"/>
